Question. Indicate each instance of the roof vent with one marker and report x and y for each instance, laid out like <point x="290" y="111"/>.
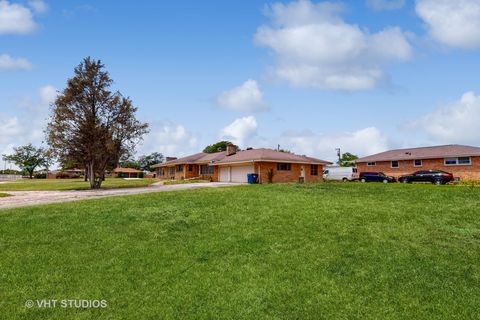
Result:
<point x="408" y="153"/>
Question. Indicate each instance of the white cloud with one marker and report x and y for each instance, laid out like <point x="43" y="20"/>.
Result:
<point x="247" y="98"/>
<point x="48" y="94"/>
<point x="15" y="18"/>
<point x="453" y="23"/>
<point x="240" y="131"/>
<point x="314" y="47"/>
<point x="9" y="128"/>
<point x="380" y="5"/>
<point x="169" y="139"/>
<point x="39" y="6"/>
<point x="453" y="123"/>
<point x="26" y="122"/>
<point x="362" y="142"/>
<point x="9" y="63"/>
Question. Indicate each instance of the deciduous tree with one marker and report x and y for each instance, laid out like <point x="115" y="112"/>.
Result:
<point x="92" y="125"/>
<point x="28" y="158"/>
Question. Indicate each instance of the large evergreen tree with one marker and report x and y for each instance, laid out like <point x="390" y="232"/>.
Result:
<point x="90" y="124"/>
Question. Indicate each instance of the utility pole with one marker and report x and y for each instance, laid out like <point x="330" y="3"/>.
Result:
<point x="339" y="155"/>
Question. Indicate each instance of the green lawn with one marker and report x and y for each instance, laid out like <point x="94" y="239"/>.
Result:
<point x="3" y="195"/>
<point x="170" y="182"/>
<point x="71" y="184"/>
<point x="325" y="251"/>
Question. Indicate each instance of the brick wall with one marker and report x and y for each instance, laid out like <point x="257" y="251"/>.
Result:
<point x="464" y="172"/>
<point x="261" y="168"/>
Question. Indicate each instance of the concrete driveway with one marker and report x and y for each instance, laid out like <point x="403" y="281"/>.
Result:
<point x="31" y="198"/>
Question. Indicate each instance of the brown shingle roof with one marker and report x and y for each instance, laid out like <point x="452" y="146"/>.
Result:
<point x="242" y="156"/>
<point x="126" y="170"/>
<point x="268" y="155"/>
<point x="452" y="150"/>
<point x="197" y="158"/>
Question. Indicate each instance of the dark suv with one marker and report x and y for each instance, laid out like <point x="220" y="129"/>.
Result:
<point x="432" y="176"/>
<point x="375" y="177"/>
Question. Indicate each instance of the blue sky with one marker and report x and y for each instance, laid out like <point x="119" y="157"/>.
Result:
<point x="311" y="76"/>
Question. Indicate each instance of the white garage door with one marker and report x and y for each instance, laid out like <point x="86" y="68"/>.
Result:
<point x="235" y="174"/>
<point x="224" y="174"/>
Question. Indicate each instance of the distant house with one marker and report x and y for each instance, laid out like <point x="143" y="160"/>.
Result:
<point x="233" y="166"/>
<point x="66" y="174"/>
<point x="127" y="173"/>
<point x="462" y="161"/>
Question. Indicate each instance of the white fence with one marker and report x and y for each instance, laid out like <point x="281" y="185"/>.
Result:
<point x="9" y="177"/>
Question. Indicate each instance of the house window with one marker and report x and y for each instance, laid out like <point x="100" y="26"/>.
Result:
<point x="371" y="164"/>
<point x="160" y="172"/>
<point x="171" y="171"/>
<point x="180" y="168"/>
<point x="417" y="163"/>
<point x="206" y="169"/>
<point x="395" y="164"/>
<point x="464" y="161"/>
<point x="314" y="170"/>
<point x="190" y="167"/>
<point x="461" y="161"/>
<point x="284" y="166"/>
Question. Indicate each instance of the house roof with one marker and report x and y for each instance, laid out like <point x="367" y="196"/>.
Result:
<point x="268" y="155"/>
<point x="126" y="170"/>
<point x="197" y="158"/>
<point x="243" y="156"/>
<point x="452" y="150"/>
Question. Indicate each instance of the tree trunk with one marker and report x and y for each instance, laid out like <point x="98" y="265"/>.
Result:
<point x="91" y="176"/>
<point x="31" y="174"/>
<point x="86" y="174"/>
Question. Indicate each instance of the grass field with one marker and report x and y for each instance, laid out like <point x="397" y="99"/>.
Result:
<point x="325" y="251"/>
<point x="171" y="182"/>
<point x="71" y="184"/>
<point x="3" y="195"/>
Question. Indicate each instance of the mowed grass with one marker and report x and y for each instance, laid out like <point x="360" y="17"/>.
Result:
<point x="3" y="195"/>
<point x="71" y="184"/>
<point x="324" y="251"/>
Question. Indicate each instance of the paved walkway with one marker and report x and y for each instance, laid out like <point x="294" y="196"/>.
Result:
<point x="30" y="198"/>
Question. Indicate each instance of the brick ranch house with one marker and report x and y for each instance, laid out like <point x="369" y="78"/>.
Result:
<point x="462" y="161"/>
<point x="233" y="166"/>
<point x="126" y="173"/>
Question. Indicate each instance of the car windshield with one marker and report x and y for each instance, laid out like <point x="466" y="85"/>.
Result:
<point x="381" y="174"/>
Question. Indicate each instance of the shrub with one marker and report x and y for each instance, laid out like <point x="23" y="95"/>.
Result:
<point x="63" y="175"/>
<point x="40" y="176"/>
<point x="141" y="175"/>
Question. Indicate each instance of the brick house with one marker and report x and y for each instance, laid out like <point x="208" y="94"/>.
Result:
<point x="126" y="173"/>
<point x="233" y="166"/>
<point x="462" y="161"/>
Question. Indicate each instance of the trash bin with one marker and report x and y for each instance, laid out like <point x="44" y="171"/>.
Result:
<point x="252" y="178"/>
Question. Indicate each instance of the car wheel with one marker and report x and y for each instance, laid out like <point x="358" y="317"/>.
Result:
<point x="363" y="180"/>
<point x="344" y="179"/>
<point x="437" y="182"/>
<point x="405" y="181"/>
<point x="385" y="181"/>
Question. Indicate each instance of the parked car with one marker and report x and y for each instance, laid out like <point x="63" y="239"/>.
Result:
<point x="340" y="173"/>
<point x="376" y="177"/>
<point x="432" y="176"/>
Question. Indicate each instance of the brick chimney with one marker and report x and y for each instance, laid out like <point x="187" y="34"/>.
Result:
<point x="231" y="149"/>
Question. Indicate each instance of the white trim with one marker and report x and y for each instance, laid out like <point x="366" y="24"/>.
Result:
<point x="391" y="164"/>
<point x="457" y="161"/>
<point x="421" y="163"/>
<point x="272" y="161"/>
